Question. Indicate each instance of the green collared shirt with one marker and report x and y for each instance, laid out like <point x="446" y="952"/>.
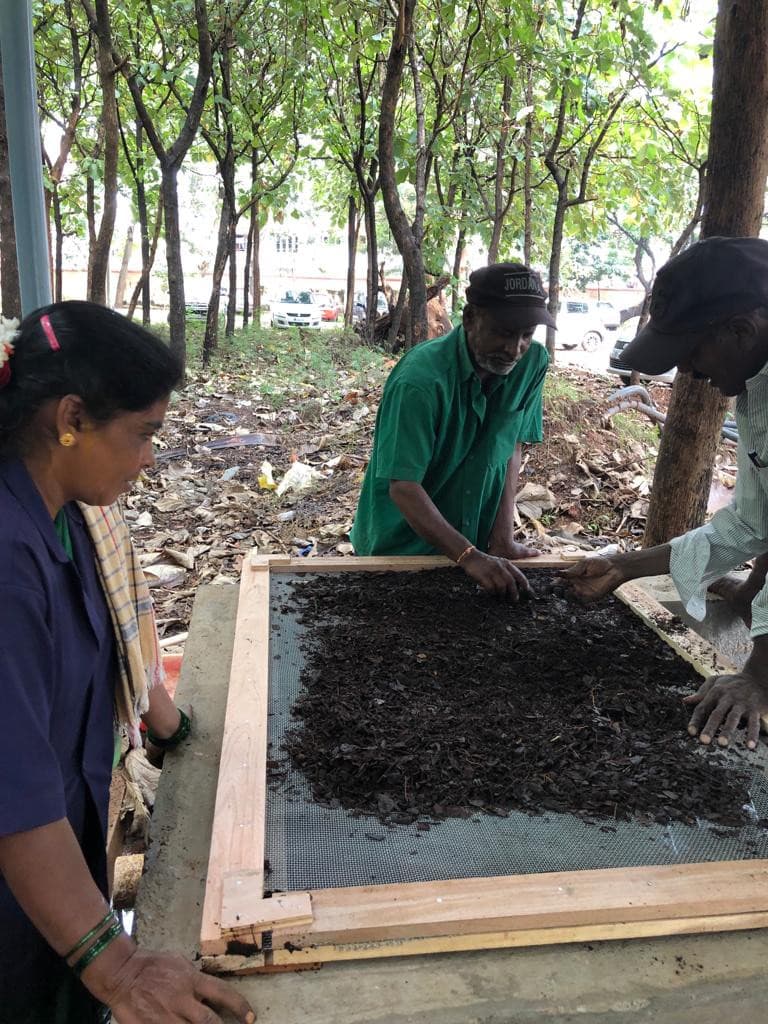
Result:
<point x="437" y="427"/>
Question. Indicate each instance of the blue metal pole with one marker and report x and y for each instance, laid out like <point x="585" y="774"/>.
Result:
<point x="24" y="152"/>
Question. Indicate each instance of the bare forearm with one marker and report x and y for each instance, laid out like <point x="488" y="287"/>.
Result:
<point x="425" y="519"/>
<point x="162" y="716"/>
<point x="46" y="872"/>
<point x="647" y="562"/>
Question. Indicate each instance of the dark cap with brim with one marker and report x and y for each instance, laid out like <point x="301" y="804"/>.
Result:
<point x="512" y="293"/>
<point x="713" y="279"/>
<point x="655" y="352"/>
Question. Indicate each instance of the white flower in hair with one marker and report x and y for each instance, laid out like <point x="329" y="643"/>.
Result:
<point x="8" y="332"/>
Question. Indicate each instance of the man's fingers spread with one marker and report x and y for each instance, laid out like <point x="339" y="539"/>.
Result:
<point x="700" y="712"/>
<point x="730" y="725"/>
<point x="713" y="722"/>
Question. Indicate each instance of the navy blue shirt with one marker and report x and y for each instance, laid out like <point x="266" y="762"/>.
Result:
<point x="57" y="673"/>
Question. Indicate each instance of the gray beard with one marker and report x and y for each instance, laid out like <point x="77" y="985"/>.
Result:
<point x="493" y="367"/>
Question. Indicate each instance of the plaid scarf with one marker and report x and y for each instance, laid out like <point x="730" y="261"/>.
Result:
<point x="132" y="614"/>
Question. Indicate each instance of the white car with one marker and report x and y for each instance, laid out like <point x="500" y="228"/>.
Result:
<point x="297" y="309"/>
<point x="579" y="324"/>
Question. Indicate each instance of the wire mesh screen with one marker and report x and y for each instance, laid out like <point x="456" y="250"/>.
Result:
<point x="312" y="846"/>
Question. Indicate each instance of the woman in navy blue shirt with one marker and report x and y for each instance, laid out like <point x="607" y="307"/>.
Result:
<point x="82" y="391"/>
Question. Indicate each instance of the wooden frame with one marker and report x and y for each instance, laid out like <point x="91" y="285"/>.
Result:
<point x="421" y="917"/>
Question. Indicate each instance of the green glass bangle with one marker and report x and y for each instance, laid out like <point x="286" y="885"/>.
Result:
<point x="172" y="741"/>
<point x="110" y="914"/>
<point x="98" y="947"/>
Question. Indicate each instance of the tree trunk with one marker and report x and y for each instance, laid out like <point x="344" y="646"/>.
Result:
<point x="458" y="256"/>
<point x="737" y="167"/>
<point x="9" y="267"/>
<point x="372" y="275"/>
<point x="219" y="264"/>
<point x="247" y="268"/>
<point x="407" y="244"/>
<point x="141" y="204"/>
<point x="177" y="311"/>
<point x="500" y="204"/>
<point x="110" y="134"/>
<point x="122" y="278"/>
<point x="528" y="171"/>
<point x="353" y="229"/>
<point x="57" y="251"/>
<point x="229" y="328"/>
<point x="147" y="262"/>
<point x="256" y="276"/>
<point x="555" y="256"/>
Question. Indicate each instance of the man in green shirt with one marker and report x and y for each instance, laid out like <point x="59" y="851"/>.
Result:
<point x="446" y="452"/>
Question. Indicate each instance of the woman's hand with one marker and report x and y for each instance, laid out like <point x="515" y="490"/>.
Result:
<point x="496" y="575"/>
<point x="151" y="987"/>
<point x="593" y="577"/>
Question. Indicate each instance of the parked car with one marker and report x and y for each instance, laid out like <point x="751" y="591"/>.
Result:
<point x="330" y="308"/>
<point x="579" y="325"/>
<point x="358" y="309"/>
<point x="608" y="314"/>
<point x="627" y="332"/>
<point x="297" y="309"/>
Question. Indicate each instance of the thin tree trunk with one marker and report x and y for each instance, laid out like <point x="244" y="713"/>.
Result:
<point x="402" y="231"/>
<point x="219" y="264"/>
<point x="122" y="278"/>
<point x="737" y="167"/>
<point x="229" y="328"/>
<point x="9" y="267"/>
<point x="247" y="270"/>
<point x="256" y="276"/>
<point x="142" y="285"/>
<point x="527" y="172"/>
<point x="353" y="229"/>
<point x="500" y="205"/>
<point x="458" y="256"/>
<point x="110" y="134"/>
<point x="555" y="256"/>
<point x="58" y="247"/>
<point x="372" y="275"/>
<point x="177" y="312"/>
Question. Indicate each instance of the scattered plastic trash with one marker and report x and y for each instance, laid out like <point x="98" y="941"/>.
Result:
<point x="266" y="483"/>
<point x="300" y="477"/>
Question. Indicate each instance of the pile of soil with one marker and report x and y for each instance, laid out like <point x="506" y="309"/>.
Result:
<point x="423" y="696"/>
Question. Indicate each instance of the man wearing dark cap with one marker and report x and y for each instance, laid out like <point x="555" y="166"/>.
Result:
<point x="709" y="317"/>
<point x="446" y="453"/>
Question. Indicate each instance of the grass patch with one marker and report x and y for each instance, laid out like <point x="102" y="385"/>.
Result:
<point x="635" y="428"/>
<point x="285" y="365"/>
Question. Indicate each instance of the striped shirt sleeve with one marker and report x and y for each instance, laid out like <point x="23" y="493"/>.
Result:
<point x="739" y="531"/>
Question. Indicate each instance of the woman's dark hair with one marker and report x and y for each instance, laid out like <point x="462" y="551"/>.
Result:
<point x="111" y="363"/>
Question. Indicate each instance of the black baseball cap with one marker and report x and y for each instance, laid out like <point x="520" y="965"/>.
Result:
<point x="512" y="293"/>
<point x="713" y="279"/>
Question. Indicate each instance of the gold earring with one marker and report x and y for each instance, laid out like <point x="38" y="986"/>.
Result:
<point x="67" y="440"/>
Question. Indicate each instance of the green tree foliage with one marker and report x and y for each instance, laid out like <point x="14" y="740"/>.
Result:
<point x="565" y="132"/>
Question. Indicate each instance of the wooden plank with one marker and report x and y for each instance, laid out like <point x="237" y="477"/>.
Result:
<point x="237" y="835"/>
<point x="691" y="647"/>
<point x="392" y="563"/>
<point x="512" y="939"/>
<point x="281" y="910"/>
<point x="522" y="902"/>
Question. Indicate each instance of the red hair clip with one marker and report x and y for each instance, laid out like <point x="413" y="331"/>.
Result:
<point x="53" y="341"/>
